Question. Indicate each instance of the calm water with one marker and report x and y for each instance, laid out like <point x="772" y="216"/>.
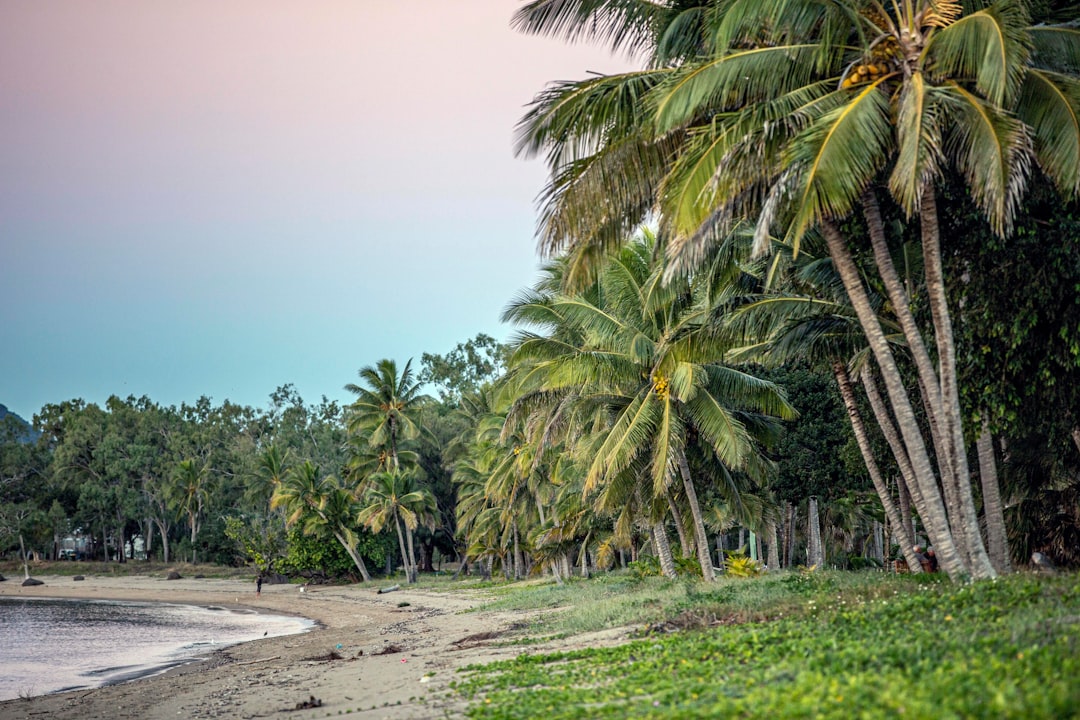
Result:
<point x="52" y="645"/>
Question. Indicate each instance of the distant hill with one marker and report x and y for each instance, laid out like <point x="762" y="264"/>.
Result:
<point x="11" y="422"/>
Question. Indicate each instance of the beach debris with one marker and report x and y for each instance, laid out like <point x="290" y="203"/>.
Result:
<point x="390" y="649"/>
<point x="2" y="578"/>
<point x="311" y="702"/>
<point x="77" y="578"/>
<point x="390" y="589"/>
<point x="260" y="660"/>
<point x="173" y="575"/>
<point x="328" y="657"/>
<point x="31" y="581"/>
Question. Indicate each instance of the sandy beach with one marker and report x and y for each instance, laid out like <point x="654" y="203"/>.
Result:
<point x="396" y="659"/>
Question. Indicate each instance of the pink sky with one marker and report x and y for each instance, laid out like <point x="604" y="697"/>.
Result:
<point x="180" y="181"/>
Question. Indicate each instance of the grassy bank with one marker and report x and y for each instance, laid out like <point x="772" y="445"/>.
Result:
<point x="13" y="569"/>
<point x="825" y="645"/>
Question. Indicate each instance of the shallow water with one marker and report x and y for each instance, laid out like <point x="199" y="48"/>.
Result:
<point x="51" y="645"/>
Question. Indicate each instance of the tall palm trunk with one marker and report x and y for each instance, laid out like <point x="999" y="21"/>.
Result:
<point x="401" y="547"/>
<point x="413" y="573"/>
<point x="953" y="417"/>
<point x="663" y="550"/>
<point x="847" y="392"/>
<point x="680" y="526"/>
<point x="929" y="382"/>
<point x="992" y="507"/>
<point x="935" y="519"/>
<point x="357" y="560"/>
<point x="194" y="523"/>
<point x="815" y="554"/>
<point x="701" y="540"/>
<point x="774" y="550"/>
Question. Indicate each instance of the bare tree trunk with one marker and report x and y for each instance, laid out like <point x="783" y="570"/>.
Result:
<point x="22" y="554"/>
<point x="680" y="528"/>
<point x="815" y="557"/>
<point x="789" y="535"/>
<point x="992" y="506"/>
<point x="663" y="550"/>
<point x="954" y="423"/>
<point x="701" y="541"/>
<point x="936" y="518"/>
<point x="847" y="393"/>
<point x="774" y="549"/>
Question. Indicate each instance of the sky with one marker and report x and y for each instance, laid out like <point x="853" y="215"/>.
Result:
<point x="221" y="197"/>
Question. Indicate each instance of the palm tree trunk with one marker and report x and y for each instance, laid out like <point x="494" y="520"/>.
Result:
<point x="194" y="532"/>
<point x="412" y="555"/>
<point x="935" y="519"/>
<point x="774" y="549"/>
<point x="815" y="556"/>
<point x="401" y="547"/>
<point x="847" y="392"/>
<point x="992" y="507"/>
<point x="929" y="382"/>
<point x="663" y="550"/>
<point x="789" y="535"/>
<point x="680" y="528"/>
<point x="701" y="540"/>
<point x="946" y="345"/>
<point x="357" y="560"/>
<point x="585" y="555"/>
<point x="517" y="553"/>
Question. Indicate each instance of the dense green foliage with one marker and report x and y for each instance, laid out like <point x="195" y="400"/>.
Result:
<point x="829" y="648"/>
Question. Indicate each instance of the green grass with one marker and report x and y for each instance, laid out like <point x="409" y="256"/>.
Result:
<point x="826" y="645"/>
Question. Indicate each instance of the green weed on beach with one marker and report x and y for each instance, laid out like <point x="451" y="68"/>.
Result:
<point x="829" y="645"/>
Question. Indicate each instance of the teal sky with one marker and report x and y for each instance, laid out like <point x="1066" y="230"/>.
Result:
<point x="217" y="198"/>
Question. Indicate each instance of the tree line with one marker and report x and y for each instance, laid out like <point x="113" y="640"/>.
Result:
<point x="811" y="278"/>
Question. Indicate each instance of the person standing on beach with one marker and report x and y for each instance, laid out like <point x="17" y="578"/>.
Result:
<point x="258" y="585"/>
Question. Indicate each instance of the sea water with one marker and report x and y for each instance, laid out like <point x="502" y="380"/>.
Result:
<point x="51" y="645"/>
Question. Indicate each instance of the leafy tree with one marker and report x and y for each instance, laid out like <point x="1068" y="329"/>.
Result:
<point x="320" y="506"/>
<point x="465" y="369"/>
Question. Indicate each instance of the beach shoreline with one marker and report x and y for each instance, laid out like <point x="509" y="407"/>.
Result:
<point x="371" y="655"/>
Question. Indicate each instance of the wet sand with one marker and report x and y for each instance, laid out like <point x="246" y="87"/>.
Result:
<point x="394" y="660"/>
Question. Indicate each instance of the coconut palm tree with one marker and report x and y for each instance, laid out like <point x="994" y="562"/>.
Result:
<point x="799" y="115"/>
<point x="646" y="359"/>
<point x="190" y="491"/>
<point x="385" y="408"/>
<point x="395" y="497"/>
<point x="319" y="504"/>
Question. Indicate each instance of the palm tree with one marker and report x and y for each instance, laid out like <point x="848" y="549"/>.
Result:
<point x="645" y="357"/>
<point x="395" y="497"/>
<point x="273" y="465"/>
<point x="385" y="406"/>
<point x="797" y="115"/>
<point x="190" y="493"/>
<point x="319" y="504"/>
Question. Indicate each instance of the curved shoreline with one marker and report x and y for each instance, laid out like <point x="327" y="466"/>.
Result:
<point x="389" y="656"/>
<point x="84" y="663"/>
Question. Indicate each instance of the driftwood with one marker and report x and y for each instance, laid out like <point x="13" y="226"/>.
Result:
<point x="390" y="589"/>
<point x="260" y="660"/>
